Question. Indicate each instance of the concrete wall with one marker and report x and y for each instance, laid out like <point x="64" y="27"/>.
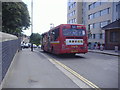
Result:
<point x="6" y="37"/>
<point x="0" y="16"/>
<point x="9" y="45"/>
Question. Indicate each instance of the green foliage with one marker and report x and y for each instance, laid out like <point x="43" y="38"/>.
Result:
<point x="15" y="17"/>
<point x="35" y="38"/>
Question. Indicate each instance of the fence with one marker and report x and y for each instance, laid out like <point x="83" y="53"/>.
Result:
<point x="7" y="51"/>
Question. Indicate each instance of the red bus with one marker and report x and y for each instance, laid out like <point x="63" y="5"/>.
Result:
<point x="65" y="38"/>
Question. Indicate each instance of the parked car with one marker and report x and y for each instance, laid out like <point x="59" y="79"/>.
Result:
<point x="34" y="46"/>
<point x="26" y="45"/>
<point x="39" y="46"/>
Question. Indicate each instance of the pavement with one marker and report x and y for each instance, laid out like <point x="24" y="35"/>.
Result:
<point x="33" y="70"/>
<point x="108" y="52"/>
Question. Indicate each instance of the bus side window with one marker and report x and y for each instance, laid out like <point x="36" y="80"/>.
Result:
<point x="56" y="33"/>
<point x="52" y="35"/>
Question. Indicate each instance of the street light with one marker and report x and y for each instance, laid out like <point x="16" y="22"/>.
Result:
<point x="31" y="16"/>
<point x="51" y="25"/>
<point x="31" y="23"/>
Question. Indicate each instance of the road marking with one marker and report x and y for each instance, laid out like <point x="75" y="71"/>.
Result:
<point x="90" y="84"/>
<point x="78" y="82"/>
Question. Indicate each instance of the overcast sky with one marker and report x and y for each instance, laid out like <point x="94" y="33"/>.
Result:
<point x="46" y="12"/>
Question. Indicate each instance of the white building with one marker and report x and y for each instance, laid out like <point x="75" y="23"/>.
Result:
<point x="94" y="15"/>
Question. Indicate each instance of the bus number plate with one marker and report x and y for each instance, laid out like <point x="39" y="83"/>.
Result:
<point x="74" y="51"/>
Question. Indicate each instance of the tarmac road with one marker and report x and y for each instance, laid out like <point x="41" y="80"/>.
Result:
<point x="100" y="69"/>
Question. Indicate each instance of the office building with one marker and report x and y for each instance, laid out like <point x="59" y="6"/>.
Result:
<point x="95" y="15"/>
<point x="99" y="14"/>
<point x="112" y="30"/>
<point x="74" y="14"/>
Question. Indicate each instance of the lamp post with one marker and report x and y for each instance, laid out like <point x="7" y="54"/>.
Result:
<point x="31" y="16"/>
<point x="31" y="23"/>
<point x="51" y="25"/>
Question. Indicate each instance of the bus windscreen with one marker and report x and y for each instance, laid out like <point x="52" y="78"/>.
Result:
<point x="73" y="32"/>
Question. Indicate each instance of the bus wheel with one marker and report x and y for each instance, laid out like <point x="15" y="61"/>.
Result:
<point x="72" y="54"/>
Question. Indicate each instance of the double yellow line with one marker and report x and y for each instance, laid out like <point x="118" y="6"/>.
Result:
<point x="78" y="75"/>
<point x="75" y="74"/>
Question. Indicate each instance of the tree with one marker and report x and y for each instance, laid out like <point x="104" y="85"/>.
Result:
<point x="35" y="38"/>
<point x="15" y="17"/>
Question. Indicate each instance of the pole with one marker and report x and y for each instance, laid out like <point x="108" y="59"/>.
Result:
<point x="51" y="25"/>
<point x="31" y="16"/>
<point x="31" y="23"/>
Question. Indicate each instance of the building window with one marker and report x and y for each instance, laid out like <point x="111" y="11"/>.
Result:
<point x="117" y="7"/>
<point x="97" y="14"/>
<point x="75" y="20"/>
<point x="72" y="21"/>
<point x="74" y="12"/>
<point x="96" y="4"/>
<point x="105" y="11"/>
<point x="69" y="21"/>
<point x="68" y="3"/>
<point x="90" y="26"/>
<point x="71" y="5"/>
<point x="96" y="25"/>
<point x="74" y="4"/>
<point x="91" y="6"/>
<point x="91" y="16"/>
<point x="114" y="36"/>
<point x="93" y="36"/>
<point x="97" y="36"/>
<point x="104" y="23"/>
<point x="101" y="35"/>
<point x="71" y="14"/>
<point x="89" y="36"/>
<point x="108" y="21"/>
<point x="108" y="10"/>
